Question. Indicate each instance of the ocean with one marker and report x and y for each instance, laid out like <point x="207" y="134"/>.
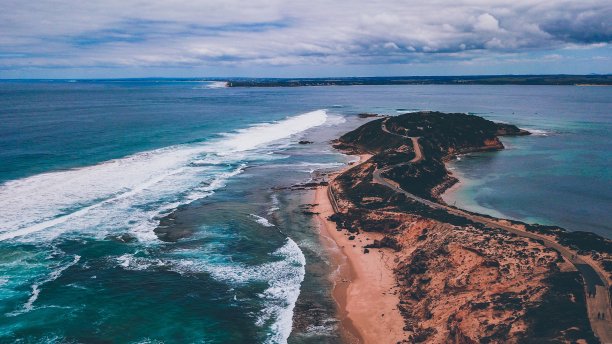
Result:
<point x="146" y="211"/>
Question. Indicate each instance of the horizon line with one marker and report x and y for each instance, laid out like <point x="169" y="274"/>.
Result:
<point x="318" y="77"/>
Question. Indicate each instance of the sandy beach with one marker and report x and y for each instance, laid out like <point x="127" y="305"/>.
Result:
<point x="364" y="284"/>
<point x="449" y="196"/>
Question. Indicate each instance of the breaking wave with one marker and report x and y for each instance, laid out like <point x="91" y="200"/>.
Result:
<point x="284" y="277"/>
<point x="537" y="132"/>
<point x="262" y="220"/>
<point x="132" y="193"/>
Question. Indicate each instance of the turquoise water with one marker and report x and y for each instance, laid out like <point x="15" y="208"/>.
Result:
<point x="155" y="210"/>
<point x="560" y="175"/>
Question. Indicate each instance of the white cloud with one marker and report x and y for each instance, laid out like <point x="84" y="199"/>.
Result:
<point x="391" y="45"/>
<point x="275" y="32"/>
<point x="486" y="22"/>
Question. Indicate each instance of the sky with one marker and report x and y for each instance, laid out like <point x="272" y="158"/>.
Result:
<point x="314" y="38"/>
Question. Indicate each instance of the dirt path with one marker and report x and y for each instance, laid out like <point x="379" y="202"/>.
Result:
<point x="417" y="150"/>
<point x="415" y="142"/>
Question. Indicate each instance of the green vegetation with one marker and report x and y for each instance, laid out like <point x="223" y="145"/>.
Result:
<point x="428" y="80"/>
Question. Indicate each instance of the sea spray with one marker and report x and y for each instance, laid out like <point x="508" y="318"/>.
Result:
<point x="262" y="220"/>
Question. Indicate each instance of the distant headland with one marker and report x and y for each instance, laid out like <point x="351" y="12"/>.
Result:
<point x="563" y="79"/>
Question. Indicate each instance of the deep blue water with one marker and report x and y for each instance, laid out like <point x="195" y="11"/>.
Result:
<point x="94" y="173"/>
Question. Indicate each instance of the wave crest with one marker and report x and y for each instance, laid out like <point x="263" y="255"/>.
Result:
<point x="132" y="192"/>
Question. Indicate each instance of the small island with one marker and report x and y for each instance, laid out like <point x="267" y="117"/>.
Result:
<point x="414" y="269"/>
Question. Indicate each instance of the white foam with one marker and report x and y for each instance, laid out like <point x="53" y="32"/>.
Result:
<point x="284" y="278"/>
<point x="130" y="262"/>
<point x="262" y="220"/>
<point x="537" y="132"/>
<point x="316" y="165"/>
<point x="267" y="132"/>
<point x="132" y="192"/>
<point x="275" y="204"/>
<point x="327" y="327"/>
<point x="333" y="120"/>
<point x="217" y="84"/>
<point x="283" y="293"/>
<point x="211" y="84"/>
<point x="401" y="111"/>
<point x="36" y="287"/>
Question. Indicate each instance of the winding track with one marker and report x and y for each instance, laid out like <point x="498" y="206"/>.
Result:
<point x="594" y="279"/>
<point x="415" y="141"/>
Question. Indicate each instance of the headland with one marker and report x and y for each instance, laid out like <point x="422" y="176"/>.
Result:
<point x="447" y="274"/>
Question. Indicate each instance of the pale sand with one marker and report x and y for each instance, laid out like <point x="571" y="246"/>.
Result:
<point x="364" y="284"/>
<point x="449" y="196"/>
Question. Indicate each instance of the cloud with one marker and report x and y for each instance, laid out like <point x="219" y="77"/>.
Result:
<point x="582" y="26"/>
<point x="176" y="33"/>
<point x="486" y="22"/>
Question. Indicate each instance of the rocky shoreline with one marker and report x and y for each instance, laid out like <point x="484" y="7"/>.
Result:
<point x="463" y="277"/>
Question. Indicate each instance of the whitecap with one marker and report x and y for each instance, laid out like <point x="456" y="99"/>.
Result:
<point x="334" y="120"/>
<point x="316" y="165"/>
<point x="133" y="263"/>
<point x="132" y="193"/>
<point x="36" y="287"/>
<point x="284" y="276"/>
<point x="249" y="138"/>
<point x="212" y="85"/>
<point x="262" y="220"/>
<point x="283" y="292"/>
<point x="537" y="132"/>
<point x="217" y="84"/>
<point x="275" y="204"/>
<point x="402" y="111"/>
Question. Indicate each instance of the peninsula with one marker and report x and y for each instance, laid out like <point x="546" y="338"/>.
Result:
<point x="413" y="269"/>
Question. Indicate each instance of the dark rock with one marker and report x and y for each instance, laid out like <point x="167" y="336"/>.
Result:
<point x="368" y="115"/>
<point x="491" y="263"/>
<point x="124" y="238"/>
<point x="309" y="185"/>
<point x="510" y="130"/>
<point x="335" y="218"/>
<point x="385" y="242"/>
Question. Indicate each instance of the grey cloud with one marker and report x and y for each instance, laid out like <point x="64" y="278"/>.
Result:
<point x="587" y="26"/>
<point x="275" y="32"/>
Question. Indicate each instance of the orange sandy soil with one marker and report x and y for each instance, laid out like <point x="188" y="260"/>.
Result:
<point x="447" y="284"/>
<point x="364" y="284"/>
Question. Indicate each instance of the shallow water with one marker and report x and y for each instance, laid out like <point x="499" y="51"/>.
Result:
<point x="94" y="173"/>
<point x="559" y="175"/>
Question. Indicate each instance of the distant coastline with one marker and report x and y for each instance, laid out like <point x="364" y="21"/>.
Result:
<point x="576" y="80"/>
<point x="220" y="82"/>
